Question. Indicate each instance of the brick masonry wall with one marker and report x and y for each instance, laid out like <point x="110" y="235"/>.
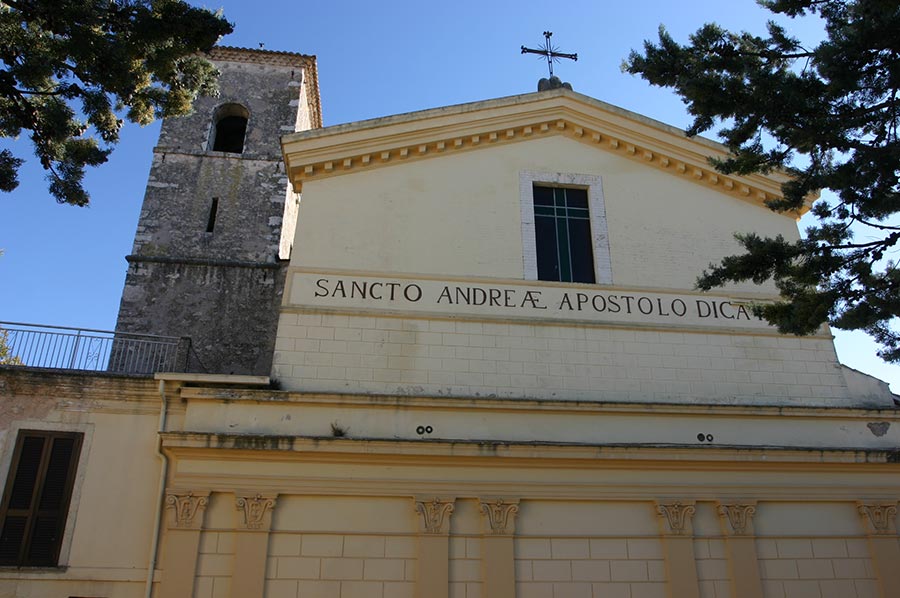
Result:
<point x="833" y="567"/>
<point x="564" y="549"/>
<point x="712" y="568"/>
<point x="340" y="566"/>
<point x="340" y="353"/>
<point x="465" y="567"/>
<point x="214" y="564"/>
<point x="589" y="567"/>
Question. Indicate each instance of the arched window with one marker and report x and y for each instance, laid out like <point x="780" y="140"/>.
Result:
<point x="230" y="129"/>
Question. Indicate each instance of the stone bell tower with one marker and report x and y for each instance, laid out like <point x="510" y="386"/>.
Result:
<point x="218" y="217"/>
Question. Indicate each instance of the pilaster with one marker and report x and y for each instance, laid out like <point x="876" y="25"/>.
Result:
<point x="433" y="578"/>
<point x="675" y="520"/>
<point x="184" y="520"/>
<point x="498" y="570"/>
<point x="879" y="520"/>
<point x="251" y="542"/>
<point x="736" y="521"/>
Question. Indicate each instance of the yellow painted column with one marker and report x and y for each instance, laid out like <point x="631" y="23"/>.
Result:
<point x="251" y="543"/>
<point x="675" y="521"/>
<point x="498" y="567"/>
<point x="433" y="576"/>
<point x="879" y="520"/>
<point x="185" y="510"/>
<point x="736" y="521"/>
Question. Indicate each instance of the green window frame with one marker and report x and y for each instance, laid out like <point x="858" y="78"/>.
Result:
<point x="563" y="241"/>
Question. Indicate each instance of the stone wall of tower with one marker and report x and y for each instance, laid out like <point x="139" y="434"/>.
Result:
<point x="215" y="226"/>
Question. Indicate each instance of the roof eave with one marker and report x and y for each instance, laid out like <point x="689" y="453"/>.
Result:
<point x="354" y="146"/>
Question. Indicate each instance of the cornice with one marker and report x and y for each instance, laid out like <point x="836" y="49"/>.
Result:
<point x="77" y="386"/>
<point x="376" y="143"/>
<point x="513" y="405"/>
<point x="203" y="445"/>
<point x="258" y="56"/>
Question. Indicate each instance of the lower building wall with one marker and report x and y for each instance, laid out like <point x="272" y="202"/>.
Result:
<point x="291" y="516"/>
<point x="561" y="549"/>
<point x="106" y="540"/>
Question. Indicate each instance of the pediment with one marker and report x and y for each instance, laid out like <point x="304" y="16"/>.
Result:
<point x="430" y="134"/>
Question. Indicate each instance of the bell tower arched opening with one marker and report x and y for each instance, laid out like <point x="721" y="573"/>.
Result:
<point x="230" y="128"/>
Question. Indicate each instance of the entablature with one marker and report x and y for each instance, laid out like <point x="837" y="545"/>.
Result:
<point x="265" y="417"/>
<point x="355" y="147"/>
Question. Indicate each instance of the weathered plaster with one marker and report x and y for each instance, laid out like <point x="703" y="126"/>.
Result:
<point x="222" y="288"/>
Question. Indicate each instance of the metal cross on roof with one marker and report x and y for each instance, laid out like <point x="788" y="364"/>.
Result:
<point x="549" y="51"/>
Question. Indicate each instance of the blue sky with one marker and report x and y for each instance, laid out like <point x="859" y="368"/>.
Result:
<point x="66" y="266"/>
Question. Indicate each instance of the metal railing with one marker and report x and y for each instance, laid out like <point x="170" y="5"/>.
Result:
<point x="61" y="347"/>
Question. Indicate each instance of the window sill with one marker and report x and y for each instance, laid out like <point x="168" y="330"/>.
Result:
<point x="27" y="571"/>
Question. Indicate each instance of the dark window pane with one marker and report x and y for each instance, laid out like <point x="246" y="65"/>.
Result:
<point x="577" y="198"/>
<point x="545" y="237"/>
<point x="27" y="472"/>
<point x="559" y="197"/>
<point x="543" y="196"/>
<point x="582" y="256"/>
<point x="11" y="539"/>
<point x="54" y="489"/>
<point x="44" y="542"/>
<point x="563" y="234"/>
<point x="562" y="240"/>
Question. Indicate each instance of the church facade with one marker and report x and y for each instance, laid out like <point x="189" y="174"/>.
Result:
<point x="453" y="353"/>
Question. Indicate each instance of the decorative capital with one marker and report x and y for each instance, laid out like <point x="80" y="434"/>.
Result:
<point x="500" y="516"/>
<point x="186" y="508"/>
<point x="738" y="517"/>
<point x="435" y="514"/>
<point x="677" y="516"/>
<point x="879" y="517"/>
<point x="255" y="510"/>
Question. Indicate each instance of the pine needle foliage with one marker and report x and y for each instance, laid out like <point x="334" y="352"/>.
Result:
<point x="72" y="71"/>
<point x="828" y="115"/>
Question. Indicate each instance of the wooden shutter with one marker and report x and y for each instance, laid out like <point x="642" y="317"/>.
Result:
<point x="36" y="499"/>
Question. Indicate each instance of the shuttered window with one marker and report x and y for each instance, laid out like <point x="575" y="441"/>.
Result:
<point x="36" y="499"/>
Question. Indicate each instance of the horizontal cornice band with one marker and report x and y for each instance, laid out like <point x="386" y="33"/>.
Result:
<point x="372" y="144"/>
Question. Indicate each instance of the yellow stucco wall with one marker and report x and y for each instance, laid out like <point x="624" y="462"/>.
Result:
<point x="459" y="215"/>
<point x="338" y="514"/>
<point x="414" y="226"/>
<point x="107" y="536"/>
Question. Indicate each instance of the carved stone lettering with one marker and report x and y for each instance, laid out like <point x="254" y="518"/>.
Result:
<point x="502" y="300"/>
